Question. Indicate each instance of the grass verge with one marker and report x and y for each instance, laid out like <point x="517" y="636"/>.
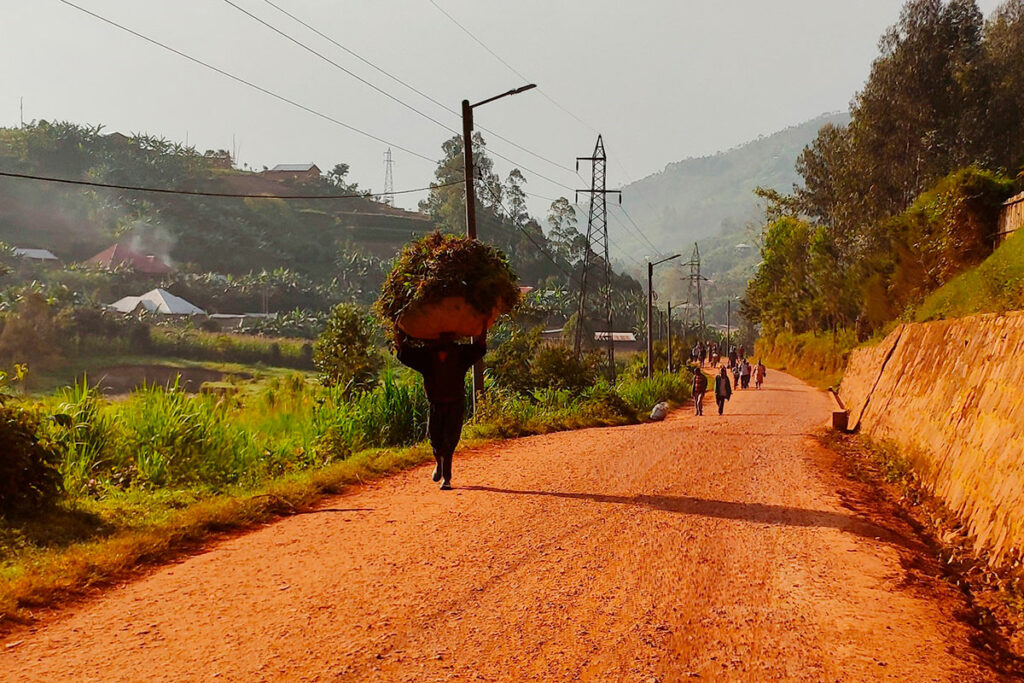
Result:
<point x="817" y="359"/>
<point x="94" y="545"/>
<point x="105" y="532"/>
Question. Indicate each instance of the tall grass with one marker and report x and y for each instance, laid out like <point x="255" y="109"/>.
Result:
<point x="233" y="348"/>
<point x="816" y="358"/>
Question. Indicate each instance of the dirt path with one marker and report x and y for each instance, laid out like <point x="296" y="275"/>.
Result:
<point x="716" y="548"/>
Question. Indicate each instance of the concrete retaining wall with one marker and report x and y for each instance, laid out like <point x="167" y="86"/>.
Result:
<point x="950" y="394"/>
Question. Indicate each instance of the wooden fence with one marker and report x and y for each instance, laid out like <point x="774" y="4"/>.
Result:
<point x="1012" y="217"/>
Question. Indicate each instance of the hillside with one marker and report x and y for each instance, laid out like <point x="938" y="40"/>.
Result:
<point x="206" y="234"/>
<point x="710" y="200"/>
<point x="699" y="197"/>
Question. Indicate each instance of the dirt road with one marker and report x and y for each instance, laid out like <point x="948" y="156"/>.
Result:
<point x="714" y="548"/>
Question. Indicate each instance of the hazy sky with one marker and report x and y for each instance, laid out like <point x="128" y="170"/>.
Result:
<point x="661" y="79"/>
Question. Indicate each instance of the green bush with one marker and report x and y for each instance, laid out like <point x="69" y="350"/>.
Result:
<point x="558" y="368"/>
<point x="511" y="363"/>
<point x="642" y="394"/>
<point x="345" y="354"/>
<point x="29" y="477"/>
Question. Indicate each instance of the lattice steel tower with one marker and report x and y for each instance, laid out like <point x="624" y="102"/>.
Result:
<point x="389" y="181"/>
<point x="696" y="293"/>
<point x="597" y="269"/>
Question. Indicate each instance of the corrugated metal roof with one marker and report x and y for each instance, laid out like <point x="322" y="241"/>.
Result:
<point x="616" y="336"/>
<point x="37" y="254"/>
<point x="295" y="168"/>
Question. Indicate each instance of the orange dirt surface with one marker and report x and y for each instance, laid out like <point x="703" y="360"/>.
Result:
<point x="714" y="548"/>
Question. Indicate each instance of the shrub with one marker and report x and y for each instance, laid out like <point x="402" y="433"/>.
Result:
<point x="28" y="474"/>
<point x="511" y="363"/>
<point x="557" y="367"/>
<point x="344" y="354"/>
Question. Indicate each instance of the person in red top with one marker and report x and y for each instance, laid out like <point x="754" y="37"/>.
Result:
<point x="443" y="365"/>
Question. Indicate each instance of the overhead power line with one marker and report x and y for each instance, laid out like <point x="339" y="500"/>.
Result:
<point x="540" y="247"/>
<point x="509" y="66"/>
<point x="245" y="82"/>
<point x="238" y="195"/>
<point x="411" y="87"/>
<point x="333" y="63"/>
<point x="380" y="90"/>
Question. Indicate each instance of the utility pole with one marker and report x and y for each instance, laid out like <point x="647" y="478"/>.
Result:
<point x="597" y="241"/>
<point x="668" y="337"/>
<point x="650" y="310"/>
<point x="467" y="155"/>
<point x="389" y="181"/>
<point x="728" y="326"/>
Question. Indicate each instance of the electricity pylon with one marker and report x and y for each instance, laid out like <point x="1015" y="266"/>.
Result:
<point x="597" y="277"/>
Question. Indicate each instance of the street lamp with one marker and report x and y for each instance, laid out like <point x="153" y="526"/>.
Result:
<point x="650" y="307"/>
<point x="467" y="151"/>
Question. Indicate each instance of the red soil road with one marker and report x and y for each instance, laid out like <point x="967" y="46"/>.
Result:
<point x="717" y="548"/>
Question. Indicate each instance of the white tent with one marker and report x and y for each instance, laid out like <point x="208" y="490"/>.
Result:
<point x="156" y="301"/>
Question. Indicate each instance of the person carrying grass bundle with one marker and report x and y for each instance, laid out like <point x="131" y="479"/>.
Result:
<point x="442" y="288"/>
<point x="443" y="365"/>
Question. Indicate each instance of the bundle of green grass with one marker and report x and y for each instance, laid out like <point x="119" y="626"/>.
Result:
<point x="447" y="284"/>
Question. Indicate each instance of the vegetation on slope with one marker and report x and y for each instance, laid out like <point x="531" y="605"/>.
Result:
<point x="907" y="196"/>
<point x="994" y="286"/>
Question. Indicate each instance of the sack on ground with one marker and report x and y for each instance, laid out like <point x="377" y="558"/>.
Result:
<point x="659" y="412"/>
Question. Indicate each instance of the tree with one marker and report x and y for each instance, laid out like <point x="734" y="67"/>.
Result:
<point x="344" y="354"/>
<point x="1004" y="59"/>
<point x="566" y="239"/>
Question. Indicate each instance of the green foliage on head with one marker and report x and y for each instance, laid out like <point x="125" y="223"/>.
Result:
<point x="344" y="354"/>
<point x="439" y="266"/>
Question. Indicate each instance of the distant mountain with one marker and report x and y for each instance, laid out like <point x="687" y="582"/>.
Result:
<point x="700" y="197"/>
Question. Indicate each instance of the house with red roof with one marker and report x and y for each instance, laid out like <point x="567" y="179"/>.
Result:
<point x="123" y="255"/>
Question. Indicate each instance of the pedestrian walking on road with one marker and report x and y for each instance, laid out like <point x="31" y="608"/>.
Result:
<point x="736" y="369"/>
<point x="723" y="390"/>
<point x="760" y="372"/>
<point x="745" y="370"/>
<point x="700" y="386"/>
<point x="443" y="365"/>
<point x="732" y="357"/>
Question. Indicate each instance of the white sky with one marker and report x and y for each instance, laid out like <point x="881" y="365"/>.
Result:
<point x="661" y="79"/>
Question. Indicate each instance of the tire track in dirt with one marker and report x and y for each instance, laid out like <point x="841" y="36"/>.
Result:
<point x="714" y="547"/>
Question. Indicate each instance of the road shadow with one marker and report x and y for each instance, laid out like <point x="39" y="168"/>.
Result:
<point x="761" y="513"/>
<point x="318" y="511"/>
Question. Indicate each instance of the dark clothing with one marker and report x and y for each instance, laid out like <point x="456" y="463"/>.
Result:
<point x="745" y="381"/>
<point x="723" y="391"/>
<point x="443" y="380"/>
<point x="444" y="425"/>
<point x="700" y="385"/>
<point x="722" y="386"/>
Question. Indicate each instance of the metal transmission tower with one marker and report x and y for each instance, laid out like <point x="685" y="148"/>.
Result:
<point x="597" y="275"/>
<point x="389" y="181"/>
<point x="695" y="293"/>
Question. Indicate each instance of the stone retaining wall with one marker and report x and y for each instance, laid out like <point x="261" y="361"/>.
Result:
<point x="950" y="395"/>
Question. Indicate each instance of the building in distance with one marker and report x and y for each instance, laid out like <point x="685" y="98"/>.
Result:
<point x="299" y="172"/>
